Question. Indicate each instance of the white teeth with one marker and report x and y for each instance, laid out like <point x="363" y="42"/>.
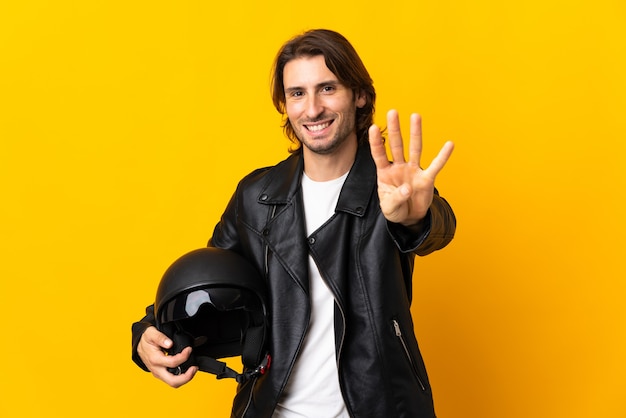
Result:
<point x="315" y="128"/>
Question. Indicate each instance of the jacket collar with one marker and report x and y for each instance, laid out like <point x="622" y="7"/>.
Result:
<point x="355" y="195"/>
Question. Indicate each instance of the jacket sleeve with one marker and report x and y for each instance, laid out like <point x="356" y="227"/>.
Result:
<point x="225" y="232"/>
<point x="435" y="232"/>
<point x="225" y="235"/>
<point x="138" y="329"/>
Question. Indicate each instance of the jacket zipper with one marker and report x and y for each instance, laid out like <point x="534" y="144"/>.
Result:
<point x="245" y="410"/>
<point x="343" y="336"/>
<point x="396" y="327"/>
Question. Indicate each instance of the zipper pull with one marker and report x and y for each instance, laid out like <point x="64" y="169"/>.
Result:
<point x="396" y="326"/>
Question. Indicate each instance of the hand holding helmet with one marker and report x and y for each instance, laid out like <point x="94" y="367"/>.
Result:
<point x="152" y="350"/>
<point x="211" y="301"/>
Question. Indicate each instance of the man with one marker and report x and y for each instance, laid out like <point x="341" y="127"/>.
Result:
<point x="334" y="229"/>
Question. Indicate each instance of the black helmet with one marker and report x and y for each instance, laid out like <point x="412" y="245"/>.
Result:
<point x="215" y="301"/>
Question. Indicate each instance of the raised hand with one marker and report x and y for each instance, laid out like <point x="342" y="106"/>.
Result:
<point x="405" y="189"/>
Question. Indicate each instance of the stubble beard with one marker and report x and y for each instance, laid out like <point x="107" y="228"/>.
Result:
<point x="324" y="147"/>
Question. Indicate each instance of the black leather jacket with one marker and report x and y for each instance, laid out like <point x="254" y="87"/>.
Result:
<point x="366" y="261"/>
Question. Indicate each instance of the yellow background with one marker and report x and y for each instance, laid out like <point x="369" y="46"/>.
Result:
<point x="125" y="126"/>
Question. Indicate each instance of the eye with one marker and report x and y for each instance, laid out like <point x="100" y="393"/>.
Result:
<point x="328" y="89"/>
<point x="296" y="94"/>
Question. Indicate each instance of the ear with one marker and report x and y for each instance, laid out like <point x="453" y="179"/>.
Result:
<point x="361" y="99"/>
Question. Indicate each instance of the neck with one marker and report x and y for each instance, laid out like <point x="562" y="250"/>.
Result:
<point x="325" y="167"/>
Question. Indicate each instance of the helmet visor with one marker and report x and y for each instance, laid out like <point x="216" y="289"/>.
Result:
<point x="213" y="317"/>
<point x="187" y="305"/>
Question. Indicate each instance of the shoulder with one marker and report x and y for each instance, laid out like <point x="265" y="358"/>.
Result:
<point x="282" y="172"/>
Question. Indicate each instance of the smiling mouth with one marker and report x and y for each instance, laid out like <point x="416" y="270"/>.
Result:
<point x="318" y="126"/>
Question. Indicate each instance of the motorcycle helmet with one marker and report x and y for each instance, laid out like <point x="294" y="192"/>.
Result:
<point x="215" y="301"/>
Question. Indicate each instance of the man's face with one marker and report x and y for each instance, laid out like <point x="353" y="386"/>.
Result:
<point x="320" y="109"/>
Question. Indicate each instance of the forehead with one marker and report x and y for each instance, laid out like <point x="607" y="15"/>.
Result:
<point x="307" y="71"/>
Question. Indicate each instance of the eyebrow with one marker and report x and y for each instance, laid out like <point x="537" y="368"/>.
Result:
<point x="317" y="86"/>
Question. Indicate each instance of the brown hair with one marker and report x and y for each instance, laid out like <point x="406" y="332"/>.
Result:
<point x="342" y="59"/>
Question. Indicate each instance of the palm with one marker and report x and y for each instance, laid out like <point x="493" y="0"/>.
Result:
<point x="405" y="189"/>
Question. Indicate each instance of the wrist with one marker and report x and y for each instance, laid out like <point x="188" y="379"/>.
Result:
<point x="417" y="225"/>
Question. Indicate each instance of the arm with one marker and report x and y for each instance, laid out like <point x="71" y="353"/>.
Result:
<point x="225" y="233"/>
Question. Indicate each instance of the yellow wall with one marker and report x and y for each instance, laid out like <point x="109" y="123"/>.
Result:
<point x="125" y="125"/>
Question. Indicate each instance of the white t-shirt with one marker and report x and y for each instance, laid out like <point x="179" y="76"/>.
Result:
<point x="313" y="388"/>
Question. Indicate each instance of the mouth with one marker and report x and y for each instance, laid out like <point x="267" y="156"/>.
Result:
<point x="317" y="127"/>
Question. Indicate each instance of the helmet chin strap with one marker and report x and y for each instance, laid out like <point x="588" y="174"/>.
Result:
<point x="208" y="364"/>
<point x="222" y="371"/>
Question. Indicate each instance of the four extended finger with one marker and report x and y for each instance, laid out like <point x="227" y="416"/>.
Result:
<point x="377" y="147"/>
<point x="395" y="136"/>
<point x="415" y="144"/>
<point x="440" y="160"/>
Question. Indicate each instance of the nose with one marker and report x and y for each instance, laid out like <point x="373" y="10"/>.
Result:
<point x="313" y="107"/>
